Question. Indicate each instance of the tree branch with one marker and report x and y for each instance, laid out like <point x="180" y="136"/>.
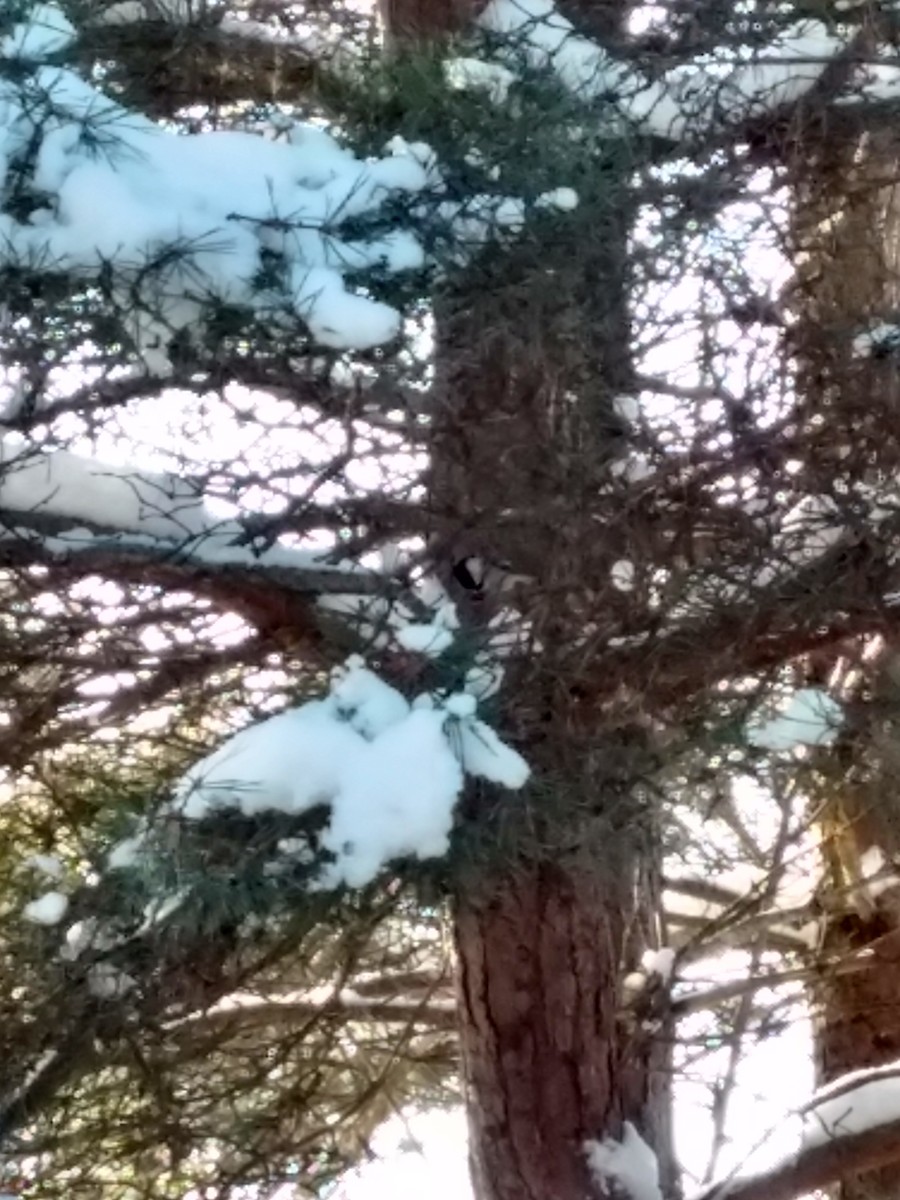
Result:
<point x="766" y="627"/>
<point x="168" y="66"/>
<point x="815" y="1167"/>
<point x="250" y="1011"/>
<point x="276" y="598"/>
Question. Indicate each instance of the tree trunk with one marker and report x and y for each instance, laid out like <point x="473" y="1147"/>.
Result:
<point x="858" y="1013"/>
<point x="859" y="1023"/>
<point x="548" y="1060"/>
<point x="847" y="225"/>
<point x="557" y="892"/>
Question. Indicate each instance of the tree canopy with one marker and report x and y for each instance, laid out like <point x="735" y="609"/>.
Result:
<point x="448" y="577"/>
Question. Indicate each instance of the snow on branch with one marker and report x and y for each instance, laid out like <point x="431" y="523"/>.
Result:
<point x="852" y="1104"/>
<point x="176" y="11"/>
<point x="287" y="1008"/>
<point x="186" y="221"/>
<point x="386" y="772"/>
<point x="38" y="539"/>
<point x="693" y="99"/>
<point x="125" y="498"/>
<point x="47" y="31"/>
<point x="850" y="1126"/>
<point x="154" y="516"/>
<point x="856" y="588"/>
<point x="391" y="772"/>
<point x="175" y="227"/>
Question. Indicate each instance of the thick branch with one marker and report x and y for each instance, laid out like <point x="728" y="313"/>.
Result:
<point x="840" y="594"/>
<point x="287" y="1011"/>
<point x="166" y="67"/>
<point x="815" y="1167"/>
<point x="274" y="597"/>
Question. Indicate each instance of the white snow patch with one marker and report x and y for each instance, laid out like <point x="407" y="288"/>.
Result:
<point x="180" y="12"/>
<point x="547" y="40"/>
<point x="659" y="962"/>
<point x="108" y="982"/>
<point x="485" y="755"/>
<point x="508" y="634"/>
<point x="461" y="705"/>
<point x="384" y="623"/>
<point x="785" y="69"/>
<point x="475" y="75"/>
<point x="369" y="704"/>
<point x="184" y="220"/>
<point x="81" y="936"/>
<point x="872" y="82"/>
<point x="46" y="31"/>
<point x="563" y="198"/>
<point x="48" y="909"/>
<point x="421" y="153"/>
<point x="633" y="984"/>
<point x="627" y="407"/>
<point x="633" y="468"/>
<point x="71" y="485"/>
<point x="431" y="640"/>
<point x="484" y="679"/>
<point x="880" y="339"/>
<point x="126" y="853"/>
<point x="628" y="1165"/>
<point x="477" y="219"/>
<point x="390" y="773"/>
<point x="690" y="99"/>
<point x="160" y="909"/>
<point x="396" y="798"/>
<point x="877" y="874"/>
<point x="298" y="849"/>
<point x="809" y="529"/>
<point x="290" y="762"/>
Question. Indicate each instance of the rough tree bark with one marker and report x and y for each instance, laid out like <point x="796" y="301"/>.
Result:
<point x="562" y="898"/>
<point x="547" y="1059"/>
<point x="858" y="1013"/>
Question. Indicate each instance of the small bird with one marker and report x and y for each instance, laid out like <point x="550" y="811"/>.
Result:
<point x="483" y="578"/>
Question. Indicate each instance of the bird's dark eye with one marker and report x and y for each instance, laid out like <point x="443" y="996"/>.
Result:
<point x="469" y="574"/>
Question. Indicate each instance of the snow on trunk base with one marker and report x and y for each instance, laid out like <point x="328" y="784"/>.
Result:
<point x="628" y="1168"/>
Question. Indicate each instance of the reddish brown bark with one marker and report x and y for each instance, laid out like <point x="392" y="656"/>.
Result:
<point x="858" y="1012"/>
<point x="548" y="1060"/>
<point x="562" y="900"/>
<point x="412" y="20"/>
<point x="860" y="1025"/>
